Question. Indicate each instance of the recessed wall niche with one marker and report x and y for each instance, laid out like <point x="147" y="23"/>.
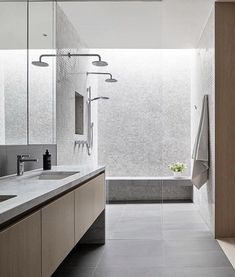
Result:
<point x="79" y="114"/>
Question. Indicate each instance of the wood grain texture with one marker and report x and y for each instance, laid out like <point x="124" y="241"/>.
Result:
<point x="20" y="248"/>
<point x="99" y="201"/>
<point x="228" y="246"/>
<point x="57" y="232"/>
<point x="89" y="203"/>
<point x="84" y="209"/>
<point x="224" y="119"/>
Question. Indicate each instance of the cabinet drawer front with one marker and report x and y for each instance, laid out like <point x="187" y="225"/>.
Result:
<point x="57" y="232"/>
<point x="20" y="248"/>
<point x="84" y="209"/>
<point x="89" y="203"/>
<point x="99" y="186"/>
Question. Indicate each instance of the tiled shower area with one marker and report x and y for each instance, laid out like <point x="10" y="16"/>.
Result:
<point x="146" y="125"/>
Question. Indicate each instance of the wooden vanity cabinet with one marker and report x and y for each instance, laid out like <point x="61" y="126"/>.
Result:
<point x="36" y="245"/>
<point x="99" y="198"/>
<point x="20" y="248"/>
<point x="57" y="232"/>
<point x="89" y="203"/>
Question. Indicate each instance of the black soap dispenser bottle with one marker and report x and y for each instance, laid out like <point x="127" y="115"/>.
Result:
<point x="47" y="161"/>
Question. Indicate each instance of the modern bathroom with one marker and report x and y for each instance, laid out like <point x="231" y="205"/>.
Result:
<point x="116" y="138"/>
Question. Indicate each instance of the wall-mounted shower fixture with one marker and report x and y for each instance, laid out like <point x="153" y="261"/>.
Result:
<point x="69" y="55"/>
<point x="109" y="80"/>
<point x="90" y="124"/>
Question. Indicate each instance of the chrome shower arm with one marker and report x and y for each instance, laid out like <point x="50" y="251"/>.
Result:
<point x="85" y="55"/>
<point x="70" y="55"/>
<point x="100" y="73"/>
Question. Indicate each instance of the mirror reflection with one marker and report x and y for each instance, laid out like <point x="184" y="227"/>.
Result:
<point x="27" y="93"/>
<point x="13" y="73"/>
<point x="41" y="79"/>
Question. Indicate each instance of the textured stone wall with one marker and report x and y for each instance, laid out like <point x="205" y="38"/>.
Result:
<point x="14" y="94"/>
<point x="146" y="123"/>
<point x="70" y="77"/>
<point x="203" y="83"/>
<point x="148" y="191"/>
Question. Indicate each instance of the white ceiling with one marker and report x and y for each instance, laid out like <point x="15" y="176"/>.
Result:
<point x="140" y="24"/>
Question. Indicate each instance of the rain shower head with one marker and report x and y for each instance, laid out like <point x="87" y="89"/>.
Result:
<point x="40" y="63"/>
<point x="100" y="63"/>
<point x="100" y="97"/>
<point x="109" y="80"/>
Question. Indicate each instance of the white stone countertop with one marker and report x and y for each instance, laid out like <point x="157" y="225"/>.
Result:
<point x="32" y="192"/>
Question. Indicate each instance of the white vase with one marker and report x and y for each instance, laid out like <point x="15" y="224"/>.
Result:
<point x="177" y="174"/>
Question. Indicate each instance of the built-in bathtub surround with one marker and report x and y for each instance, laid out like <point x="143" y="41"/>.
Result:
<point x="148" y="190"/>
<point x="203" y="80"/>
<point x="72" y="79"/>
<point x="146" y="123"/>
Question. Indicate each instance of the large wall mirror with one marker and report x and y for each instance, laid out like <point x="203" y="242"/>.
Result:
<point x="13" y="73"/>
<point x="27" y="92"/>
<point x="41" y="40"/>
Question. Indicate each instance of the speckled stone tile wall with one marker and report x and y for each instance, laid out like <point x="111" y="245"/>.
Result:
<point x="148" y="190"/>
<point x="71" y="77"/>
<point x="146" y="123"/>
<point x="203" y="83"/>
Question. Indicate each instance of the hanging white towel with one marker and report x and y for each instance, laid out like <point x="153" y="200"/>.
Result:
<point x="200" y="154"/>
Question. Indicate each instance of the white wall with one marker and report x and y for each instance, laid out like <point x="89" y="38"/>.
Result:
<point x="146" y="123"/>
<point x="203" y="83"/>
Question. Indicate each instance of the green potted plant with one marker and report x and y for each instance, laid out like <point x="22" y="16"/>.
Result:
<point x="177" y="168"/>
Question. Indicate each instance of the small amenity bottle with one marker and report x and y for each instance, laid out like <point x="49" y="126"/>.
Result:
<point x="47" y="161"/>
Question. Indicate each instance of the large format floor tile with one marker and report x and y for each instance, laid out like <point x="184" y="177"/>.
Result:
<point x="132" y="253"/>
<point x="150" y="240"/>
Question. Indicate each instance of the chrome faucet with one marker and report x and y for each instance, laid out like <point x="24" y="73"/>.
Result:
<point x="21" y="159"/>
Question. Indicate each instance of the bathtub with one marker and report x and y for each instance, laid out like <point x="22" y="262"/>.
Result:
<point x="148" y="189"/>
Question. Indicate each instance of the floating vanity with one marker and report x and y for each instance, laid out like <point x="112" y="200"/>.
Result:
<point x="43" y="215"/>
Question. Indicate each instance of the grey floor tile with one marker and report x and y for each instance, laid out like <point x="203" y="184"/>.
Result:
<point x="129" y="272"/>
<point x="172" y="207"/>
<point x="164" y="272"/>
<point x="196" y="259"/>
<point x="177" y="246"/>
<point x="185" y="226"/>
<point x="142" y="213"/>
<point x="137" y="228"/>
<point x="186" y="234"/>
<point x="198" y="272"/>
<point x="84" y="256"/>
<point x="182" y="217"/>
<point x="143" y="207"/>
<point x="151" y="240"/>
<point x="132" y="253"/>
<point x="114" y="210"/>
<point x="74" y="272"/>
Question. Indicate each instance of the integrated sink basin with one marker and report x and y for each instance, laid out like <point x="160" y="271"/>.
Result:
<point x="6" y="197"/>
<point x="53" y="175"/>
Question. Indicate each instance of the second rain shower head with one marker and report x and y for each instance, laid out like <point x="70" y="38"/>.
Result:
<point x="109" y="80"/>
<point x="40" y="63"/>
<point x="100" y="63"/>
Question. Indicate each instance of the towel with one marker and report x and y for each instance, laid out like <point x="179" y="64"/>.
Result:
<point x="200" y="154"/>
